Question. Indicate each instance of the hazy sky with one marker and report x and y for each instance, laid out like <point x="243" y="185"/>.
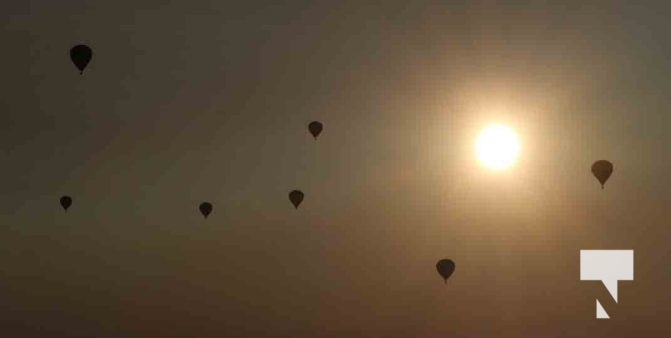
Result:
<point x="191" y="101"/>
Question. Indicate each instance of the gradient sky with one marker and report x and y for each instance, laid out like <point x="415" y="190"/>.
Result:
<point x="190" y="101"/>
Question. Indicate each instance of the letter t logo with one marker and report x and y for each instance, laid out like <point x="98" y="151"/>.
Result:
<point x="608" y="266"/>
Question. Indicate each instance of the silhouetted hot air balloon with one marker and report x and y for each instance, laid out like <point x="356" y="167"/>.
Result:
<point x="315" y="128"/>
<point x="296" y="197"/>
<point x="445" y="268"/>
<point x="81" y="56"/>
<point x="602" y="170"/>
<point x="205" y="209"/>
<point x="66" y="202"/>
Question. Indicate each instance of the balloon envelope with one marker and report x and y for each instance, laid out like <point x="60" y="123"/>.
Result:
<point x="205" y="208"/>
<point x="81" y="56"/>
<point x="445" y="268"/>
<point x="296" y="197"/>
<point x="315" y="128"/>
<point x="602" y="170"/>
<point x="66" y="202"/>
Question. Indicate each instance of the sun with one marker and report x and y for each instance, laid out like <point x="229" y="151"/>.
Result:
<point x="497" y="146"/>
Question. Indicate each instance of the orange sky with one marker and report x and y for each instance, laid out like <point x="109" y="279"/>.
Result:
<point x="196" y="101"/>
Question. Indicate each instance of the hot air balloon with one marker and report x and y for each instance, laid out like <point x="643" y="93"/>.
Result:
<point x="81" y="56"/>
<point x="205" y="208"/>
<point x="66" y="202"/>
<point x="602" y="170"/>
<point x="445" y="268"/>
<point x="315" y="128"/>
<point x="296" y="197"/>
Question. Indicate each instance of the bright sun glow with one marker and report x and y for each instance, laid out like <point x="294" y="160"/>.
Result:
<point x="497" y="146"/>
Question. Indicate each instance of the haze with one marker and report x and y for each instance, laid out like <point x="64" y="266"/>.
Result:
<point x="195" y="101"/>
